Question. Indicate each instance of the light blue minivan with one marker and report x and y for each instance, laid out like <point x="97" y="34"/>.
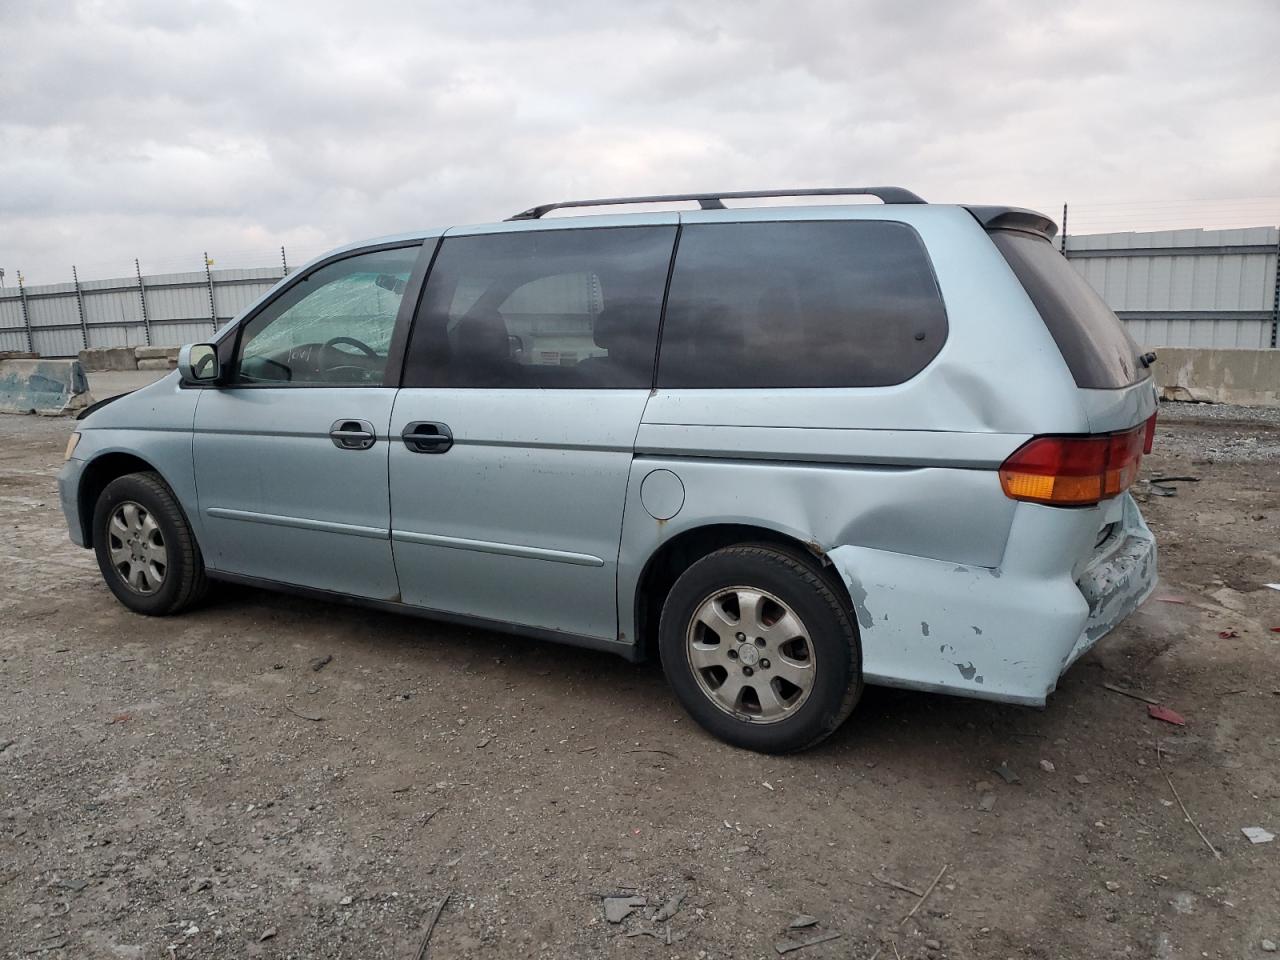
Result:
<point x="788" y="449"/>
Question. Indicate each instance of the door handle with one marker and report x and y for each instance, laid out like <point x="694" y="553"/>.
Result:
<point x="352" y="434"/>
<point x="425" y="436"/>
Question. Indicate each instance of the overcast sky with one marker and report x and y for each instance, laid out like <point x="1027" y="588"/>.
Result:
<point x="160" y="129"/>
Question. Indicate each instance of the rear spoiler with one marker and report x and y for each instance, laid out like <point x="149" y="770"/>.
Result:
<point x="1014" y="218"/>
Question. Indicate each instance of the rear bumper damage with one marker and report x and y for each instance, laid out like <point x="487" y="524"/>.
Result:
<point x="1004" y="633"/>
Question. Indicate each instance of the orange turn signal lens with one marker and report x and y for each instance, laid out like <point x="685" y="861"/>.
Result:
<point x="1076" y="471"/>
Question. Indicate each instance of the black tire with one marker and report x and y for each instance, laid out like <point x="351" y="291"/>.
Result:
<point x="183" y="582"/>
<point x="798" y="583"/>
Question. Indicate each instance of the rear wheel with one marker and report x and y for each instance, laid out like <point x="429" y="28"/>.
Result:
<point x="145" y="548"/>
<point x="760" y="649"/>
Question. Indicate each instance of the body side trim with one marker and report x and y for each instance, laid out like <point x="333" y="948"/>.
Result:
<point x="505" y="549"/>
<point x="301" y="523"/>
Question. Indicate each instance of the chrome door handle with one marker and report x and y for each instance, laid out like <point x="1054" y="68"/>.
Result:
<point x="352" y="434"/>
<point x="426" y="436"/>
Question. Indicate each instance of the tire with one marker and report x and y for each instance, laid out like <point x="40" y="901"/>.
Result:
<point x="152" y="541"/>
<point x="762" y="585"/>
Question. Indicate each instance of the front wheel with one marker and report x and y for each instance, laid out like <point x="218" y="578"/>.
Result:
<point x="760" y="650"/>
<point x="145" y="548"/>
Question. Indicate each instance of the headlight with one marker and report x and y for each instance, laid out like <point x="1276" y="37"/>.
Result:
<point x="71" y="445"/>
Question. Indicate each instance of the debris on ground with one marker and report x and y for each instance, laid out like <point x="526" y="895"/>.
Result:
<point x="1112" y="885"/>
<point x="987" y="803"/>
<point x="1126" y="692"/>
<point x="1170" y="600"/>
<point x="1082" y="779"/>
<point x="1268" y="946"/>
<point x="6" y="744"/>
<point x="617" y="909"/>
<point x="1186" y="813"/>
<point x="924" y="896"/>
<point x="788" y="946"/>
<point x="1158" y="712"/>
<point x="1047" y="766"/>
<point x="1257" y="834"/>
<point x="1006" y="774"/>
<point x="319" y="663"/>
<point x="1227" y="634"/>
<point x="431" y="925"/>
<point x="268" y="934"/>
<point x="668" y="909"/>
<point x="896" y="885"/>
<point x="803" y="920"/>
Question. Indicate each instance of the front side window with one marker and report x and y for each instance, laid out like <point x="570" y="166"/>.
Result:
<point x="569" y="309"/>
<point x="332" y="327"/>
<point x="838" y="303"/>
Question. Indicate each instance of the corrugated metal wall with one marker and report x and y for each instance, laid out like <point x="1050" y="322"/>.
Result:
<point x="1210" y="288"/>
<point x="166" y="310"/>
<point x="1186" y="288"/>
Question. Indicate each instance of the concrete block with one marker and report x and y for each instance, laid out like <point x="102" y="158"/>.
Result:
<point x="18" y="355"/>
<point x="47" y="387"/>
<point x="1247" y="377"/>
<point x="121" y="358"/>
<point x="153" y="353"/>
<point x="158" y="363"/>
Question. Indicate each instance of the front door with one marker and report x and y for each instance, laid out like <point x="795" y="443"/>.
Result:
<point x="291" y="452"/>
<point x="528" y="370"/>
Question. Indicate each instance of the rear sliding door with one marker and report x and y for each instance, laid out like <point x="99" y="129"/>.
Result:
<point x="527" y="373"/>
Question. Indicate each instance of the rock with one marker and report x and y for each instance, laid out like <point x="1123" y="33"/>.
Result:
<point x="1112" y="886"/>
<point x="1047" y="766"/>
<point x="319" y="663"/>
<point x="617" y="909"/>
<point x="987" y="803"/>
<point x="345" y="902"/>
<point x="803" y="920"/>
<point x="1007" y="774"/>
<point x="1082" y="779"/>
<point x="267" y="934"/>
<point x="932" y="945"/>
<point x="984" y="786"/>
<point x="200" y="883"/>
<point x="1268" y="946"/>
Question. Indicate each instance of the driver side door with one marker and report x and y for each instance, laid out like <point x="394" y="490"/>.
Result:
<point x="290" y="449"/>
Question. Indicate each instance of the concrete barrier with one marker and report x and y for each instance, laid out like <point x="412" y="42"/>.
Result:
<point x="1247" y="377"/>
<point x="95" y="359"/>
<point x="47" y="387"/>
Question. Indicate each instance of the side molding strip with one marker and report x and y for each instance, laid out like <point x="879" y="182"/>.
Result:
<point x="505" y="549"/>
<point x="300" y="523"/>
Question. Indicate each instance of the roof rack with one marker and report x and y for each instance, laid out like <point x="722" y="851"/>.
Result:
<point x="714" y="201"/>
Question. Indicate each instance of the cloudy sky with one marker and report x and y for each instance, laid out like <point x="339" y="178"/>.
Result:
<point x="160" y="129"/>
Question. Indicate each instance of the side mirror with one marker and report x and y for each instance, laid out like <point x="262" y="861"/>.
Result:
<point x="198" y="363"/>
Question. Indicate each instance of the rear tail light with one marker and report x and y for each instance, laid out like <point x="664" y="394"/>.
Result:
<point x="1076" y="471"/>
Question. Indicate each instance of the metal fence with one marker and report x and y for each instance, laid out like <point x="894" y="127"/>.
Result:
<point x="58" y="320"/>
<point x="1198" y="288"/>
<point x="1187" y="288"/>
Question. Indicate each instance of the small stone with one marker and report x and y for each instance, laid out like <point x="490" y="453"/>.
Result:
<point x="1112" y="886"/>
<point x="345" y="902"/>
<point x="1047" y="766"/>
<point x="319" y="663"/>
<point x="1268" y="946"/>
<point x="987" y="803"/>
<point x="803" y="920"/>
<point x="932" y="945"/>
<point x="483" y="742"/>
<point x="1082" y="779"/>
<point x="267" y="934"/>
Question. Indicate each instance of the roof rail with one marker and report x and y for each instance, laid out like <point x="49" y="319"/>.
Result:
<point x="713" y="201"/>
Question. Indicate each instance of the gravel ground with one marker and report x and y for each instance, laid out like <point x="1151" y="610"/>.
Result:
<point x="194" y="788"/>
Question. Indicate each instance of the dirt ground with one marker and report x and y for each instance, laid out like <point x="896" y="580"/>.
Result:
<point x="193" y="788"/>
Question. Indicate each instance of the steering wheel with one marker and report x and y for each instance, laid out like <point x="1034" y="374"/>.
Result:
<point x="360" y="345"/>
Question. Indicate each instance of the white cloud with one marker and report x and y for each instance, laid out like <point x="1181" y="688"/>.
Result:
<point x="159" y="129"/>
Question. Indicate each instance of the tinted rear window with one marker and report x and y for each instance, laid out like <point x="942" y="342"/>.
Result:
<point x="1098" y="350"/>
<point x="841" y="303"/>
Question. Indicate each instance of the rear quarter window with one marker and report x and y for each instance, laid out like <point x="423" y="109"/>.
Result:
<point x="1092" y="340"/>
<point x="840" y="303"/>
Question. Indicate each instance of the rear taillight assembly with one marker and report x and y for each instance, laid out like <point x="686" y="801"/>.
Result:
<point x="1076" y="471"/>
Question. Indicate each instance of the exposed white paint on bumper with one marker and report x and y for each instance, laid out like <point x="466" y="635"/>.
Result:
<point x="1004" y="633"/>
